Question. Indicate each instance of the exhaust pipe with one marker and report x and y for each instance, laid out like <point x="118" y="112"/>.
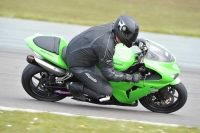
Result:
<point x="49" y="67"/>
<point x="30" y="59"/>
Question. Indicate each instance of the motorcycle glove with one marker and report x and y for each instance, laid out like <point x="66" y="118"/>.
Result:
<point x="141" y="43"/>
<point x="135" y="77"/>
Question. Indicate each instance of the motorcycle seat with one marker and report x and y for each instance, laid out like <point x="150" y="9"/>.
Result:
<point x="48" y="43"/>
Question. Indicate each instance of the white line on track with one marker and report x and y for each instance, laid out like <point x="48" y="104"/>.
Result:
<point x="94" y="117"/>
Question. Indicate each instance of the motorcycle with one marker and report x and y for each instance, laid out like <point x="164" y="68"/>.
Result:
<point x="159" y="90"/>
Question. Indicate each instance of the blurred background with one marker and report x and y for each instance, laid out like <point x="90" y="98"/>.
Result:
<point x="180" y="17"/>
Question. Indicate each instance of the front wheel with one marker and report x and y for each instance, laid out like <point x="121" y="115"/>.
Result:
<point x="174" y="98"/>
<point x="33" y="80"/>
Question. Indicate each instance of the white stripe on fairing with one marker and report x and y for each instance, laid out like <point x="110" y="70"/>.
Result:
<point x="94" y="117"/>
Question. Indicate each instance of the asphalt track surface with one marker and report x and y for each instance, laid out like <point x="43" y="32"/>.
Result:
<point x="13" y="52"/>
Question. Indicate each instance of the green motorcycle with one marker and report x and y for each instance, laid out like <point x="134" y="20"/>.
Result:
<point x="159" y="90"/>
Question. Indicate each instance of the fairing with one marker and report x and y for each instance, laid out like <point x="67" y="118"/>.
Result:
<point x="164" y="64"/>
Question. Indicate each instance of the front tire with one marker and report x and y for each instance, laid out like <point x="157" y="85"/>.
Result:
<point x="151" y="102"/>
<point x="30" y="76"/>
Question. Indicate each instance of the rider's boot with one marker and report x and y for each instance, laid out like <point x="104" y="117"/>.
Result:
<point x="76" y="90"/>
<point x="94" y="95"/>
<point x="79" y="89"/>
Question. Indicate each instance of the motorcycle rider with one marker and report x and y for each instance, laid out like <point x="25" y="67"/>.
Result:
<point x="97" y="45"/>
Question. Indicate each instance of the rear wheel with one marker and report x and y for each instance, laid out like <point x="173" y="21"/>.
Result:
<point x="167" y="100"/>
<point x="34" y="79"/>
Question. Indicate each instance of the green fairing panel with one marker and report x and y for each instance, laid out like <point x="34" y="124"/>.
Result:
<point x="122" y="90"/>
<point x="162" y="61"/>
<point x="165" y="69"/>
<point x="51" y="57"/>
<point x="123" y="58"/>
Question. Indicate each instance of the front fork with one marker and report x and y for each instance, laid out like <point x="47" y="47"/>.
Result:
<point x="163" y="93"/>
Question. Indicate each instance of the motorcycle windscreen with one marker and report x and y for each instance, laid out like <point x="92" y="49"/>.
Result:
<point x="157" y="53"/>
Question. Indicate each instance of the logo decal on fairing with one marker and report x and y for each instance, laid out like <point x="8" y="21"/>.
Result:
<point x="90" y="77"/>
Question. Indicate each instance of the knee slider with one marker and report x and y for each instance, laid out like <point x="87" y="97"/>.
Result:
<point x="108" y="90"/>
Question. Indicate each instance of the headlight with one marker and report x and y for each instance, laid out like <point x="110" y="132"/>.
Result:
<point x="174" y="76"/>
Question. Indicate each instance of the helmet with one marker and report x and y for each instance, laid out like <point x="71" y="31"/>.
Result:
<point x="126" y="29"/>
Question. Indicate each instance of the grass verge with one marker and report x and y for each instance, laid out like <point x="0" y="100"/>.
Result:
<point x="179" y="17"/>
<point x="26" y="122"/>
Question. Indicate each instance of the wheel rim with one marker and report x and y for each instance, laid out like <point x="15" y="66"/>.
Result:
<point x="40" y="90"/>
<point x="167" y="104"/>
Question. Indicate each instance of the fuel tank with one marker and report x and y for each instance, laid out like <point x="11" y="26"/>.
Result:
<point x="124" y="57"/>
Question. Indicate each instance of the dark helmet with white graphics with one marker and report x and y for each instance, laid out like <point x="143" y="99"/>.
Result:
<point x="126" y="29"/>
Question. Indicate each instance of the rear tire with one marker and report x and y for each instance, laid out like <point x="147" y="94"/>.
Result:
<point x="31" y="87"/>
<point x="149" y="104"/>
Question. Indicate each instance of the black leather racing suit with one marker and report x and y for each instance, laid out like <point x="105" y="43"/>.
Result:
<point x="94" y="46"/>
